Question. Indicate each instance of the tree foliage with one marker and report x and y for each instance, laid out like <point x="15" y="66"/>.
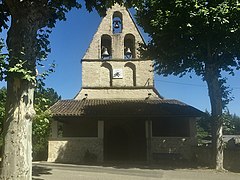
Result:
<point x="44" y="14"/>
<point x="3" y="97"/>
<point x="2" y="61"/>
<point x="204" y="127"/>
<point x="187" y="36"/>
<point x="231" y="124"/>
<point x="44" y="98"/>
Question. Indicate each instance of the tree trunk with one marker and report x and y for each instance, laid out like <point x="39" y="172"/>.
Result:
<point x="17" y="152"/>
<point x="22" y="45"/>
<point x="215" y="94"/>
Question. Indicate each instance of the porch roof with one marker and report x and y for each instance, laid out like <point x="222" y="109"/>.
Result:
<point x="136" y="108"/>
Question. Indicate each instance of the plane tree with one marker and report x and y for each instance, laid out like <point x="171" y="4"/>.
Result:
<point x="198" y="36"/>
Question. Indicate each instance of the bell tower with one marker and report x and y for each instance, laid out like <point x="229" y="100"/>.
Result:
<point x="111" y="67"/>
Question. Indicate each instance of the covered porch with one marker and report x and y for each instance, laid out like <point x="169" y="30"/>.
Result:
<point x="105" y="131"/>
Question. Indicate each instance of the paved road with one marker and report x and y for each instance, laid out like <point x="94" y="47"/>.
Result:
<point x="53" y="171"/>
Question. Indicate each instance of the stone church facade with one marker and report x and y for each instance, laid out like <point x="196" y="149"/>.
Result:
<point x="118" y="115"/>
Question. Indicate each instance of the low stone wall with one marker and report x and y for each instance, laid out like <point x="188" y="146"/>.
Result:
<point x="232" y="159"/>
<point x="75" y="150"/>
<point x="172" y="147"/>
<point x="204" y="156"/>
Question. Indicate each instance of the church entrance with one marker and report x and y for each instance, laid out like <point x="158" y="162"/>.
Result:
<point x="124" y="140"/>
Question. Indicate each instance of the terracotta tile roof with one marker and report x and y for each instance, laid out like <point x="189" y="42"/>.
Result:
<point x="108" y="108"/>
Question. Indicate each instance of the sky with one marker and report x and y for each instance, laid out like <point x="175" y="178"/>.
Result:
<point x="70" y="40"/>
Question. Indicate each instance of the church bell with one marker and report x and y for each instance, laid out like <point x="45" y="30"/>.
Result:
<point x="116" y="24"/>
<point x="128" y="53"/>
<point x="105" y="53"/>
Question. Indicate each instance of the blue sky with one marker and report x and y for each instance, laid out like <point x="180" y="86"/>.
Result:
<point x="69" y="41"/>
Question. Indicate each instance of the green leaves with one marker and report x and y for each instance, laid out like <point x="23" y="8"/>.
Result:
<point x="231" y="123"/>
<point x="43" y="75"/>
<point x="3" y="65"/>
<point x="44" y="98"/>
<point x="41" y="132"/>
<point x="19" y="71"/>
<point x="58" y="10"/>
<point x="15" y="66"/>
<point x="180" y="29"/>
<point x="2" y="61"/>
<point x="3" y="98"/>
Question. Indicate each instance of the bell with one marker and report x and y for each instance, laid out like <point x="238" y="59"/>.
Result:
<point x="128" y="52"/>
<point x="105" y="52"/>
<point x="116" y="24"/>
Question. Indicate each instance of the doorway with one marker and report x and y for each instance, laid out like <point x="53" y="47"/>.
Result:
<point x="124" y="140"/>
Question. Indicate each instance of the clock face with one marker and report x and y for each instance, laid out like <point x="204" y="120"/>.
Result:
<point x="117" y="73"/>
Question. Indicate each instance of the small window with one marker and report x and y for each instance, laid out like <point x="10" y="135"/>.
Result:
<point x="129" y="46"/>
<point x="106" y="47"/>
<point x="117" y="24"/>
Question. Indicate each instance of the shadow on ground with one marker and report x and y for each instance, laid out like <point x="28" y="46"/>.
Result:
<point x="234" y="169"/>
<point x="37" y="171"/>
<point x="163" y="164"/>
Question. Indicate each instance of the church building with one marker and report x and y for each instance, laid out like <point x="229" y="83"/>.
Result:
<point x="118" y="115"/>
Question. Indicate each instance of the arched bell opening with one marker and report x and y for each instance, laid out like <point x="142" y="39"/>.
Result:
<point x="129" y="46"/>
<point x="117" y="22"/>
<point x="106" y="47"/>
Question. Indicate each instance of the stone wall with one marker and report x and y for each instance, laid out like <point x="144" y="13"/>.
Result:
<point x="172" y="147"/>
<point x="203" y="156"/>
<point x="75" y="150"/>
<point x="116" y="94"/>
<point x="97" y="73"/>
